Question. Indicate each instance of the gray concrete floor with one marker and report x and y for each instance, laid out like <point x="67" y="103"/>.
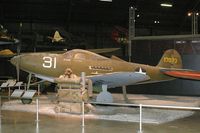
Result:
<point x="18" y="122"/>
<point x="22" y="122"/>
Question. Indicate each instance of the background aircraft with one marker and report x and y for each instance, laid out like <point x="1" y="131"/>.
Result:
<point x="102" y="70"/>
<point x="6" y="53"/>
<point x="5" y="38"/>
<point x="57" y="37"/>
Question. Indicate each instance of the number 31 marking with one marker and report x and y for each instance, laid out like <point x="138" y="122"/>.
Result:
<point x="49" y="62"/>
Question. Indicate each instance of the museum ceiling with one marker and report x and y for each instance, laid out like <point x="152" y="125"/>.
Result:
<point x="94" y="11"/>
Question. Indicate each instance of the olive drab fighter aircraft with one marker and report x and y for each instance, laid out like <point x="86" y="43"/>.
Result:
<point x="114" y="72"/>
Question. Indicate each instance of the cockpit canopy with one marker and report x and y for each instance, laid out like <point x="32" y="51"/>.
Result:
<point x="79" y="54"/>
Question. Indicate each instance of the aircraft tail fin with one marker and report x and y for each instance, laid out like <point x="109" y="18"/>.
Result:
<point x="170" y="59"/>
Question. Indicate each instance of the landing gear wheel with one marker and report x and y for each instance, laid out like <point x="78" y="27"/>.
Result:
<point x="26" y="101"/>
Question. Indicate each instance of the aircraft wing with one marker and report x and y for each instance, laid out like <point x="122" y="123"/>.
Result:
<point x="119" y="79"/>
<point x="14" y="41"/>
<point x="103" y="50"/>
<point x="50" y="79"/>
<point x="6" y="53"/>
<point x="182" y="73"/>
<point x="4" y="43"/>
<point x="98" y="51"/>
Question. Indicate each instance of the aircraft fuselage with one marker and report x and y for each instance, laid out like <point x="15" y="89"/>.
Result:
<point x="54" y="65"/>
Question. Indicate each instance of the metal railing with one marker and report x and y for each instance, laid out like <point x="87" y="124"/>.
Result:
<point x="141" y="106"/>
<point x="37" y="113"/>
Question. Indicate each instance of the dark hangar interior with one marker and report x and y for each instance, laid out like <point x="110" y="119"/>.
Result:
<point x="94" y="20"/>
<point x="99" y="24"/>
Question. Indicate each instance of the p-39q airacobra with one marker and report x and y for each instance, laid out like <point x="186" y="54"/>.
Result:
<point x="114" y="72"/>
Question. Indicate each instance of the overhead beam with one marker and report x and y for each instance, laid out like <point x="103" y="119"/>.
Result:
<point x="165" y="37"/>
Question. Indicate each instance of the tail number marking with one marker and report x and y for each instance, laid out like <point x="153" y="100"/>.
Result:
<point x="49" y="62"/>
<point x="170" y="60"/>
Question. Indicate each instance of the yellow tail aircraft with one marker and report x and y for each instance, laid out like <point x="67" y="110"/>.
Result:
<point x="102" y="70"/>
<point x="6" y="53"/>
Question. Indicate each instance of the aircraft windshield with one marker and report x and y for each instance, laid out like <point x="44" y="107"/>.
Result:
<point x="68" y="55"/>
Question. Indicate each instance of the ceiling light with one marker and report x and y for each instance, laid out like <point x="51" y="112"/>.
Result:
<point x="156" y="22"/>
<point x="166" y="5"/>
<point x="106" y="0"/>
<point x="189" y="14"/>
<point x="180" y="42"/>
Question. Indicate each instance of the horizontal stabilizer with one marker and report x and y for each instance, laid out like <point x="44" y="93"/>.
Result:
<point x="182" y="73"/>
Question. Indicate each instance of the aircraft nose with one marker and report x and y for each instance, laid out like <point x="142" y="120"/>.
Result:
<point x="14" y="60"/>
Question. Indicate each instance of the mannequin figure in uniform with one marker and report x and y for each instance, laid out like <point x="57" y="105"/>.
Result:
<point x="68" y="74"/>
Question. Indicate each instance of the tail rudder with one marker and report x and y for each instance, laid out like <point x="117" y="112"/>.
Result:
<point x="170" y="59"/>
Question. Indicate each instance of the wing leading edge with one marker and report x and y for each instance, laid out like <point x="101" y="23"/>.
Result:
<point x="117" y="79"/>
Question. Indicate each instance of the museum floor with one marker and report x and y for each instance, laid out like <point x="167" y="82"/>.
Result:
<point x="17" y="122"/>
<point x="23" y="121"/>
